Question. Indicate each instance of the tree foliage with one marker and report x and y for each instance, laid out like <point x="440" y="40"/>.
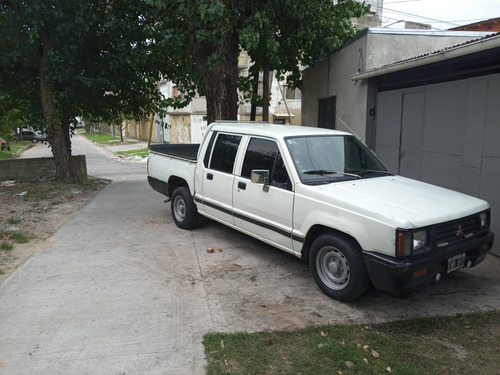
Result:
<point x="94" y="58"/>
<point x="102" y="59"/>
<point x="282" y="35"/>
<point x="13" y="114"/>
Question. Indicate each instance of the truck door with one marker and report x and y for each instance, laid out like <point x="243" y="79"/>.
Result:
<point x="261" y="212"/>
<point x="216" y="195"/>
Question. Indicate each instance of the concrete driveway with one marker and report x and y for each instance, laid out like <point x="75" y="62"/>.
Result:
<point x="122" y="290"/>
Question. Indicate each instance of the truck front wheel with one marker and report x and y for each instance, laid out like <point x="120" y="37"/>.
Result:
<point x="338" y="267"/>
<point x="184" y="210"/>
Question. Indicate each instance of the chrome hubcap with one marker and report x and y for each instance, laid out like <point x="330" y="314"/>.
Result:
<point x="333" y="268"/>
<point x="179" y="208"/>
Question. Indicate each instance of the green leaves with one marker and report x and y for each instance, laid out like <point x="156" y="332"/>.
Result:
<point x="125" y="47"/>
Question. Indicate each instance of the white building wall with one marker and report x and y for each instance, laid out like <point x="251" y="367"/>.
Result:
<point x="386" y="46"/>
<point x="198" y="128"/>
<point x="371" y="49"/>
<point x="331" y="77"/>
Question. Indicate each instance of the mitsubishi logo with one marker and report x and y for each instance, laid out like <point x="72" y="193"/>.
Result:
<point x="460" y="231"/>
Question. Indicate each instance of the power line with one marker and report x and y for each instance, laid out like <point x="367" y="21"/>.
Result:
<point x="417" y="18"/>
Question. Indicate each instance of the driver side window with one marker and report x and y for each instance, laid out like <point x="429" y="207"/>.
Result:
<point x="264" y="154"/>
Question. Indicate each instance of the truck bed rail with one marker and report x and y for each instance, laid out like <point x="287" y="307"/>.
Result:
<point x="186" y="151"/>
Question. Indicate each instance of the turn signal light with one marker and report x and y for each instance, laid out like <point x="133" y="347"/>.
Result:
<point x="404" y="243"/>
<point x="419" y="273"/>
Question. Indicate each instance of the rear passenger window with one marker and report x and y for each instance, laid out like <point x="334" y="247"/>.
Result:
<point x="224" y="153"/>
<point x="206" y="159"/>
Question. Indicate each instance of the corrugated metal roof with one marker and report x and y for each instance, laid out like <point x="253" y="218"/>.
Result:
<point x="484" y="43"/>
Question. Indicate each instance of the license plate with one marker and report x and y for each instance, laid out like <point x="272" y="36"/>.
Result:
<point x="456" y="262"/>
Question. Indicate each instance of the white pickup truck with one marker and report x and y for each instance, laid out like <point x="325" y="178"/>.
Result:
<point x="323" y="196"/>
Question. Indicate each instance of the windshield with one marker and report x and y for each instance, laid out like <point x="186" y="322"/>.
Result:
<point x="325" y="159"/>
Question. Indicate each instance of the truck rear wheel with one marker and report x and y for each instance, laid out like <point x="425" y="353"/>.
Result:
<point x="184" y="210"/>
<point x="338" y="267"/>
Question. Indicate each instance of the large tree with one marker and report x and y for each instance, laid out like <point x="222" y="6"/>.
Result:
<point x="102" y="59"/>
<point x="92" y="58"/>
<point x="279" y="35"/>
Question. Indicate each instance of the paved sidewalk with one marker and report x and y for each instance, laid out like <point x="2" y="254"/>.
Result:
<point x="103" y="297"/>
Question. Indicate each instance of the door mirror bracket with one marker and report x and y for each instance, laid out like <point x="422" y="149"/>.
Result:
<point x="260" y="176"/>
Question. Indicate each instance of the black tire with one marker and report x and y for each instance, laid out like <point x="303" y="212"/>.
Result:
<point x="338" y="267"/>
<point x="184" y="210"/>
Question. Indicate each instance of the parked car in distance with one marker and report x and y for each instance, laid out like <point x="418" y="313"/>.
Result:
<point x="5" y="144"/>
<point x="41" y="134"/>
<point x="31" y="136"/>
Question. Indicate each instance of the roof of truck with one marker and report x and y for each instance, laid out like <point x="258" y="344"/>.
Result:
<point x="271" y="130"/>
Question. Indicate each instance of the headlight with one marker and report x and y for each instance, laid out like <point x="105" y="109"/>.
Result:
<point x="409" y="241"/>
<point x="483" y="217"/>
<point x="419" y="239"/>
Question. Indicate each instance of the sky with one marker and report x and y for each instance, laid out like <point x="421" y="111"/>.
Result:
<point x="441" y="14"/>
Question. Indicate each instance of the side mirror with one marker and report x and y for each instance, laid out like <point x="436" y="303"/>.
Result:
<point x="260" y="176"/>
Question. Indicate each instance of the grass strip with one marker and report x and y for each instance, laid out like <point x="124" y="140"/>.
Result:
<point x="101" y="138"/>
<point x="463" y="344"/>
<point x="142" y="152"/>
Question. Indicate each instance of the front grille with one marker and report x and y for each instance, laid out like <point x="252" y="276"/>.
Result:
<point x="456" y="230"/>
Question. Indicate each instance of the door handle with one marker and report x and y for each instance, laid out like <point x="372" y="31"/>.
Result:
<point x="210" y="176"/>
<point x="242" y="185"/>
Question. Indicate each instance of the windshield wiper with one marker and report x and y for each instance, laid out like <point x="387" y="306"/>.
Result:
<point x="322" y="172"/>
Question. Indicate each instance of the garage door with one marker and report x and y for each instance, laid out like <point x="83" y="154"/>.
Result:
<point x="447" y="134"/>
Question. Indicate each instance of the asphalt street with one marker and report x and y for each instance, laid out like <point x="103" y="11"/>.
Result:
<point x="122" y="290"/>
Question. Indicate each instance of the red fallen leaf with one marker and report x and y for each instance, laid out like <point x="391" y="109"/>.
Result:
<point x="210" y="250"/>
<point x="219" y="250"/>
<point x="6" y="236"/>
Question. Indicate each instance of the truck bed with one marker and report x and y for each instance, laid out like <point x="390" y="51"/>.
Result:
<point x="185" y="151"/>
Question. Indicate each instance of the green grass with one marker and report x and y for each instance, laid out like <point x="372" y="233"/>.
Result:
<point x="142" y="152"/>
<point x="6" y="246"/>
<point x="13" y="220"/>
<point x="443" y="345"/>
<point x="16" y="236"/>
<point x="101" y="138"/>
<point x="14" y="149"/>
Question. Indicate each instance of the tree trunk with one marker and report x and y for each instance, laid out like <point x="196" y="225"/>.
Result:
<point x="151" y="130"/>
<point x="60" y="143"/>
<point x="221" y="82"/>
<point x="57" y="128"/>
<point x="265" y="95"/>
<point x="255" y="91"/>
<point x="221" y="92"/>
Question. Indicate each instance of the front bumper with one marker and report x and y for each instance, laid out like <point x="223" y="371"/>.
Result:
<point x="398" y="275"/>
